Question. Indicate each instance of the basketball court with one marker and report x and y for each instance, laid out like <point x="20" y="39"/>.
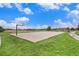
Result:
<point x="37" y="36"/>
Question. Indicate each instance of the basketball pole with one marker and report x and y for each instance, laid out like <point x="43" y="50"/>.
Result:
<point x="17" y="29"/>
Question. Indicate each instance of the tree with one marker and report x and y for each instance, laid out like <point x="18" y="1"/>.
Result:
<point x="72" y="29"/>
<point x="48" y="28"/>
<point x="1" y="29"/>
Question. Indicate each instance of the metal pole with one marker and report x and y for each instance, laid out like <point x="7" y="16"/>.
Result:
<point x="17" y="29"/>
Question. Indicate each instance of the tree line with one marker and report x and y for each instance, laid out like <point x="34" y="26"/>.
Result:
<point x="49" y="28"/>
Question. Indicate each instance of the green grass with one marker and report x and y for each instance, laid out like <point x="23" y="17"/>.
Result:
<point x="62" y="44"/>
<point x="77" y="32"/>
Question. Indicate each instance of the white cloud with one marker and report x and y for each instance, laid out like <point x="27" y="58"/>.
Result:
<point x="12" y="25"/>
<point x="62" y="24"/>
<point x="74" y="14"/>
<point x="8" y="5"/>
<point x="66" y="9"/>
<point x="19" y="6"/>
<point x="41" y="26"/>
<point x="21" y="20"/>
<point x="1" y="6"/>
<point x="28" y="11"/>
<point x="33" y="27"/>
<point x="67" y="4"/>
<point x="77" y="6"/>
<point x="74" y="21"/>
<point x="55" y="6"/>
<point x="48" y="6"/>
<point x="3" y="23"/>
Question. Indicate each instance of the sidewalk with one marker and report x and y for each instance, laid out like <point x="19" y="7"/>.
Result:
<point x="74" y="35"/>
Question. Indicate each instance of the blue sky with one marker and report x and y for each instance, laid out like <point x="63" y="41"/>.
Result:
<point x="39" y="15"/>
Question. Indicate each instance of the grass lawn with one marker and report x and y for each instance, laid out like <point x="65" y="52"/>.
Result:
<point x="62" y="44"/>
<point x="77" y="32"/>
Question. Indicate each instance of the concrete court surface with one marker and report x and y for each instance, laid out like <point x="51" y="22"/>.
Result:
<point x="37" y="36"/>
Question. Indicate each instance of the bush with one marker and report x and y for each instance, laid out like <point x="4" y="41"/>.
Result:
<point x="1" y="29"/>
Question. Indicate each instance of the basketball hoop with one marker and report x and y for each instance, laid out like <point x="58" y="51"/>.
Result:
<point x="17" y="28"/>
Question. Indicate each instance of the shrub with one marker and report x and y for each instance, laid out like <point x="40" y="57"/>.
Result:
<point x="1" y="29"/>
